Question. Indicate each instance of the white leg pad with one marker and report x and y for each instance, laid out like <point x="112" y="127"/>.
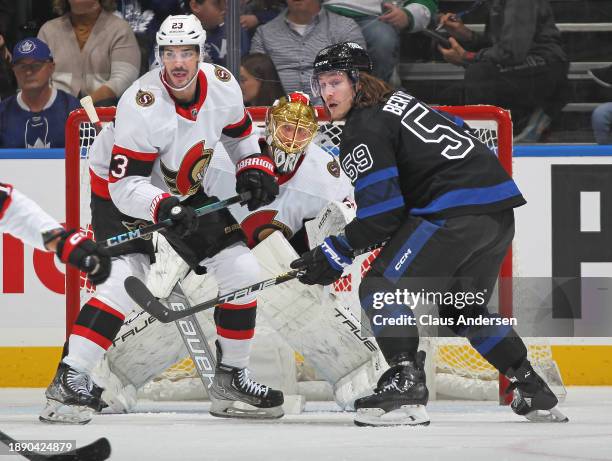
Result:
<point x="315" y="324"/>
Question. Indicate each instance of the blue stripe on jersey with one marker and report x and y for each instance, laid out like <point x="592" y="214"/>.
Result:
<point x="409" y="250"/>
<point x="472" y="196"/>
<point x="380" y="207"/>
<point x="484" y="344"/>
<point x="453" y="118"/>
<point x="378" y="192"/>
<point x="375" y="177"/>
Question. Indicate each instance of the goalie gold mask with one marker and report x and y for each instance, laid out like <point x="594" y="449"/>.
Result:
<point x="291" y="124"/>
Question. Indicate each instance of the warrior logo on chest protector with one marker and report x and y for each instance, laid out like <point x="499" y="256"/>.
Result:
<point x="188" y="179"/>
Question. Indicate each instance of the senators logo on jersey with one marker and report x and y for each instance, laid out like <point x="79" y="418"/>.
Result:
<point x="259" y="221"/>
<point x="188" y="179"/>
<point x="222" y="74"/>
<point x="144" y="98"/>
<point x="333" y="168"/>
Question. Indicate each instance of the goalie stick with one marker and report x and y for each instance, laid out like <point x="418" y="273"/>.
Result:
<point x="146" y="230"/>
<point x="139" y="292"/>
<point x="193" y="336"/>
<point x="95" y="451"/>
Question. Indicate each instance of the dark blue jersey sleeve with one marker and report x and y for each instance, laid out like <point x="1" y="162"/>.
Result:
<point x="371" y="165"/>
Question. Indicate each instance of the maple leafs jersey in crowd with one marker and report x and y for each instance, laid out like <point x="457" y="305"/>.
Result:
<point x="315" y="182"/>
<point x="404" y="157"/>
<point x="23" y="218"/>
<point x="21" y="128"/>
<point x="161" y="146"/>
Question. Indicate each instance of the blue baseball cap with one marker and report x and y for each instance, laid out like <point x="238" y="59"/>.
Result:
<point x="31" y="47"/>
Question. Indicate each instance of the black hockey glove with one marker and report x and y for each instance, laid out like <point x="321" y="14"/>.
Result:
<point x="183" y="217"/>
<point x="324" y="264"/>
<point x="85" y="254"/>
<point x="256" y="174"/>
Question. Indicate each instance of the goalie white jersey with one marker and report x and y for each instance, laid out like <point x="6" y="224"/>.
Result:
<point x="164" y="147"/>
<point x="317" y="180"/>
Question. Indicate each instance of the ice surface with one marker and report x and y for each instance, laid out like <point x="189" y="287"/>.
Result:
<point x="471" y="431"/>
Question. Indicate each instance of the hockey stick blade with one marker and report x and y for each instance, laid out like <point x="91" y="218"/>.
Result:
<point x="146" y="230"/>
<point x="138" y="291"/>
<point x="95" y="451"/>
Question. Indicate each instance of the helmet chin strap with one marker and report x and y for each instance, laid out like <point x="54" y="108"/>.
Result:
<point x="184" y="88"/>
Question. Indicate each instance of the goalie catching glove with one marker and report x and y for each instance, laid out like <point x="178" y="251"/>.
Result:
<point x="184" y="219"/>
<point x="324" y="264"/>
<point x="256" y="175"/>
<point x="85" y="254"/>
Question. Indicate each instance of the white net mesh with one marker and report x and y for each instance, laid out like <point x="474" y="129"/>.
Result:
<point x="454" y="358"/>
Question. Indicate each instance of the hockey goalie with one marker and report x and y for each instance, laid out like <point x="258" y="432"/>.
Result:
<point x="321" y="324"/>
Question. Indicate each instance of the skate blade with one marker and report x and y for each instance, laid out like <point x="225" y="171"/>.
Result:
<point x="235" y="409"/>
<point x="57" y="413"/>
<point x="547" y="416"/>
<point x="406" y="415"/>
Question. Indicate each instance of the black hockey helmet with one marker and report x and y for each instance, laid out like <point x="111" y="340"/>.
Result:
<point x="349" y="57"/>
<point x="345" y="56"/>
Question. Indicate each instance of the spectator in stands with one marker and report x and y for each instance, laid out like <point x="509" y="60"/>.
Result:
<point x="381" y="23"/>
<point x="211" y="14"/>
<point x="602" y="75"/>
<point x="8" y="85"/>
<point x="95" y="51"/>
<point x="601" y="120"/>
<point x="254" y="13"/>
<point x="36" y="116"/>
<point x="259" y="80"/>
<point x="295" y="36"/>
<point x="518" y="63"/>
<point x="145" y="17"/>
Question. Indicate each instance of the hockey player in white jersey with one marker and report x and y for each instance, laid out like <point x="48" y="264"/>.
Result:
<point x="312" y="321"/>
<point x="167" y="125"/>
<point x="21" y="217"/>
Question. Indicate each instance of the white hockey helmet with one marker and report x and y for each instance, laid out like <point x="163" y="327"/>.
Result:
<point x="181" y="29"/>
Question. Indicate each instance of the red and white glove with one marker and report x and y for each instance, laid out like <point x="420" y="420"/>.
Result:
<point x="84" y="254"/>
<point x="256" y="175"/>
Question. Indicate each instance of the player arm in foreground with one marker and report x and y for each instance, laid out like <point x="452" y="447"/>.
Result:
<point x="24" y="219"/>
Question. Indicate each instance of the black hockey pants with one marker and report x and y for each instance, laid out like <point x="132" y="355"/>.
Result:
<point x="445" y="260"/>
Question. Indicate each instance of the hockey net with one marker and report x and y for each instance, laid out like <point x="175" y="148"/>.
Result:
<point x="460" y="372"/>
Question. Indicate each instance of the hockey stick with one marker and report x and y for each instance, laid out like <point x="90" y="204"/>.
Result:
<point x="193" y="337"/>
<point x="95" y="451"/>
<point x="88" y="105"/>
<point x="139" y="292"/>
<point x="146" y="230"/>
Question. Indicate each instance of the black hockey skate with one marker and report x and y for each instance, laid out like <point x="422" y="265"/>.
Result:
<point x="532" y="397"/>
<point x="235" y="395"/>
<point x="72" y="397"/>
<point x="399" y="398"/>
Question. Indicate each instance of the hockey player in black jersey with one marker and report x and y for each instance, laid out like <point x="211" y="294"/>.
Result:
<point x="444" y="204"/>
